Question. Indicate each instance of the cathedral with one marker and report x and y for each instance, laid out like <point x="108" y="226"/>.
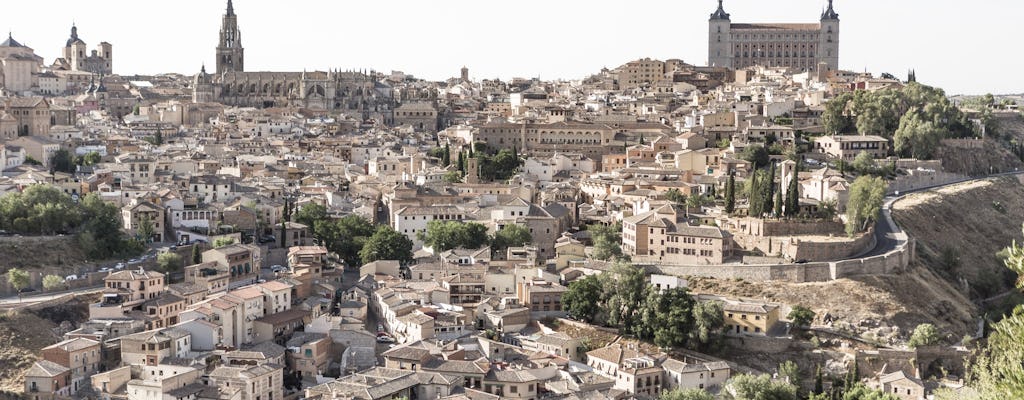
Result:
<point x="798" y="46"/>
<point x="355" y="93"/>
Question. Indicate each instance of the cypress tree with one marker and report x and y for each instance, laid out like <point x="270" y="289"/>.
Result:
<point x="462" y="163"/>
<point x="793" y="194"/>
<point x="730" y="194"/>
<point x="446" y="156"/>
<point x="196" y="256"/>
<point x="778" y="203"/>
<point x="770" y="189"/>
<point x="819" y="385"/>
<point x="754" y="197"/>
<point x="641" y="138"/>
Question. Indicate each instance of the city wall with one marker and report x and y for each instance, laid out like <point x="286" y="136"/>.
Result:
<point x="888" y="263"/>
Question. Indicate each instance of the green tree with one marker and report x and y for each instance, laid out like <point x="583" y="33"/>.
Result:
<point x="749" y="387"/>
<point x="446" y="156"/>
<point x="510" y="235"/>
<point x="667" y="317"/>
<point x="924" y="335"/>
<point x="998" y="370"/>
<point x="790" y="372"/>
<point x="835" y="116"/>
<point x="793" y="193"/>
<point x="224" y="241"/>
<point x="819" y="381"/>
<point x="864" y="163"/>
<point x="625" y="298"/>
<point x="387" y="244"/>
<point x="917" y="137"/>
<point x="18" y="279"/>
<point x="446" y="235"/>
<point x="346" y="237"/>
<point x="756" y="155"/>
<point x="697" y="202"/>
<point x="310" y="214"/>
<point x="801" y="316"/>
<point x="53" y="282"/>
<point x="607" y="241"/>
<point x="770" y="189"/>
<point x="169" y="262"/>
<point x="62" y="161"/>
<point x="686" y="394"/>
<point x="861" y="392"/>
<point x="864" y="203"/>
<point x="675" y="196"/>
<point x="582" y="299"/>
<point x="197" y="256"/>
<point x="461" y="165"/>
<point x="730" y="193"/>
<point x="452" y="177"/>
<point x="146" y="229"/>
<point x="708" y="324"/>
<point x="91" y="158"/>
<point x="778" y="204"/>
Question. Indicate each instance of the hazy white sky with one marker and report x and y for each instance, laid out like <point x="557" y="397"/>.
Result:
<point x="962" y="46"/>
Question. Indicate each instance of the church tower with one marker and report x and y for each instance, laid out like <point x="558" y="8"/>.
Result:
<point x="828" y="46"/>
<point x="229" y="50"/>
<point x="719" y="38"/>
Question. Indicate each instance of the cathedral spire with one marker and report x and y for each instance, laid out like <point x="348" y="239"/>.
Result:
<point x="829" y="13"/>
<point x="720" y="12"/>
<point x="231" y="9"/>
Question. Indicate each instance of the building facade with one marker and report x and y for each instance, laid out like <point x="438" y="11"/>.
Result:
<point x="800" y="46"/>
<point x="318" y="90"/>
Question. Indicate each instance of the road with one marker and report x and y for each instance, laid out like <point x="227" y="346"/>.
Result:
<point x="35" y="297"/>
<point x="886" y="229"/>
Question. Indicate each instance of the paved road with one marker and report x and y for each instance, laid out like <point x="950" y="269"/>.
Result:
<point x="886" y="229"/>
<point x="34" y="297"/>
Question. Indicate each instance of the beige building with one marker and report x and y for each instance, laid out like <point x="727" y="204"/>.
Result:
<point x="47" y="380"/>
<point x="237" y="259"/>
<point x="262" y="382"/>
<point x="634" y="372"/>
<point x="82" y="356"/>
<point x="750" y="318"/>
<point x="847" y="147"/>
<point x="40" y="148"/>
<point x="661" y="235"/>
<point x="798" y="46"/>
<point x="151" y="347"/>
<point x="138" y="213"/>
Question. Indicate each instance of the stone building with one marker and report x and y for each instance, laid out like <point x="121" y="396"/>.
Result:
<point x="800" y="46"/>
<point x="317" y="90"/>
<point x="76" y="56"/>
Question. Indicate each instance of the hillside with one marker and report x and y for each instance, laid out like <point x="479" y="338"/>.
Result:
<point x="960" y="229"/>
<point x="32" y="252"/>
<point x="24" y="333"/>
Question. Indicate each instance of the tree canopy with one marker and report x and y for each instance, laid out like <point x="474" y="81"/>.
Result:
<point x="446" y="235"/>
<point x="998" y="371"/>
<point x="916" y="117"/>
<point x="386" y="244"/>
<point x="53" y="282"/>
<point x="511" y="235"/>
<point x="623" y="298"/>
<point x="756" y="154"/>
<point x="867" y="193"/>
<point x="607" y="241"/>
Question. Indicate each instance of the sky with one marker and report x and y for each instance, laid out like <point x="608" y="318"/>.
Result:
<point x="964" y="47"/>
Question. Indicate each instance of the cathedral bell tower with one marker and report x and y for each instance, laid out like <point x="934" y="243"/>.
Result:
<point x="229" y="50"/>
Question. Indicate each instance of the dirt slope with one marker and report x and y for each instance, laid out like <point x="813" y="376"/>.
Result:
<point x="24" y="334"/>
<point x="960" y="229"/>
<point x="34" y="252"/>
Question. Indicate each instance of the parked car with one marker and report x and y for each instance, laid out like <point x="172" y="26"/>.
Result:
<point x="71" y="277"/>
<point x="385" y="339"/>
<point x="106" y="269"/>
<point x="119" y="266"/>
<point x="268" y="239"/>
<point x="134" y="261"/>
<point x="26" y="290"/>
<point x="278" y="268"/>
